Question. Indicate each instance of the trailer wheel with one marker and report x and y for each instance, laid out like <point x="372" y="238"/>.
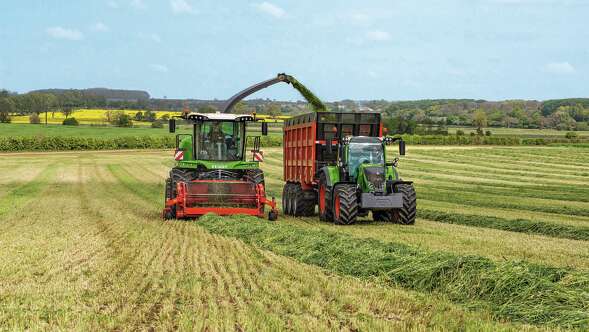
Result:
<point x="345" y="204"/>
<point x="303" y="201"/>
<point x="287" y="199"/>
<point x="406" y="215"/>
<point x="386" y="216"/>
<point x="324" y="199"/>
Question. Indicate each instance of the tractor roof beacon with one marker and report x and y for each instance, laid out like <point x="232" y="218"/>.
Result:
<point x="212" y="172"/>
<point x="337" y="161"/>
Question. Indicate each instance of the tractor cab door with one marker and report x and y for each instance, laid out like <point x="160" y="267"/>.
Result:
<point x="219" y="140"/>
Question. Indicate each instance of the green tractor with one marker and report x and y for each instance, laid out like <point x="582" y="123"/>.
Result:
<point x="348" y="176"/>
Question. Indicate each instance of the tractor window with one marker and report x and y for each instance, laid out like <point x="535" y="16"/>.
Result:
<point x="364" y="153"/>
<point x="220" y="140"/>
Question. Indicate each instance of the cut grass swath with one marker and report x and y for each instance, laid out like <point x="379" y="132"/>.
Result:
<point x="512" y="225"/>
<point x="515" y="290"/>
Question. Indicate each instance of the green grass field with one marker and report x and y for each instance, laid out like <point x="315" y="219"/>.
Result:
<point x="500" y="244"/>
<point x="519" y="132"/>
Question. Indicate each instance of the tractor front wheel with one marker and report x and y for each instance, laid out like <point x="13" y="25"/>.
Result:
<point x="345" y="204"/>
<point x="406" y="215"/>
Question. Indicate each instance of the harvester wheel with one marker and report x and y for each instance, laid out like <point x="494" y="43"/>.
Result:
<point x="182" y="175"/>
<point x="303" y="201"/>
<point x="324" y="200"/>
<point x="272" y="215"/>
<point x="345" y="204"/>
<point x="386" y="216"/>
<point x="169" y="194"/>
<point x="406" y="215"/>
<point x="255" y="175"/>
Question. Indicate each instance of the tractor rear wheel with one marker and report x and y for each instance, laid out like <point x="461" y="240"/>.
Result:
<point x="303" y="201"/>
<point x="345" y="204"/>
<point x="406" y="215"/>
<point x="324" y="200"/>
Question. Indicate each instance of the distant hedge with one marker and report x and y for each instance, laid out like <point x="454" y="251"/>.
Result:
<point x="64" y="143"/>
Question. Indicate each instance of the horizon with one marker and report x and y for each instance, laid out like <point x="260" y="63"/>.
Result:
<point x="494" y="50"/>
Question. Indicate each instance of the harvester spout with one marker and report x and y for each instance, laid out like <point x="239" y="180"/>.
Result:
<point x="304" y="91"/>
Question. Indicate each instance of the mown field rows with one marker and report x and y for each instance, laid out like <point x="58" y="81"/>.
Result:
<point x="84" y="247"/>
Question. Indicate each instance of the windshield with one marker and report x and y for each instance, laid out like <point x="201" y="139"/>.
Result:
<point x="364" y="153"/>
<point x="220" y="140"/>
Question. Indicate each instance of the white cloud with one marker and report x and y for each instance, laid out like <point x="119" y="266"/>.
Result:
<point x="378" y="35"/>
<point x="181" y="7"/>
<point x="100" y="27"/>
<point x="270" y="9"/>
<point x="63" y="33"/>
<point x="113" y="4"/>
<point x="559" y="68"/>
<point x="159" y="68"/>
<point x="138" y="4"/>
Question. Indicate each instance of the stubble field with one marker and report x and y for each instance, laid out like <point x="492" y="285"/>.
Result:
<point x="500" y="243"/>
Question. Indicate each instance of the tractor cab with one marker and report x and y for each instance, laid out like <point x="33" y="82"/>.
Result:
<point x="364" y="151"/>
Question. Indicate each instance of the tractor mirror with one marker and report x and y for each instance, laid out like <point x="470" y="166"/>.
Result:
<point x="172" y="125"/>
<point x="402" y="148"/>
<point x="265" y="128"/>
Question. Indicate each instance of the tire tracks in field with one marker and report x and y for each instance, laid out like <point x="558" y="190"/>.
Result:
<point x="23" y="195"/>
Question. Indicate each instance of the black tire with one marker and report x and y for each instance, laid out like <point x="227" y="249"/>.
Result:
<point x="406" y="215"/>
<point x="327" y="214"/>
<point x="303" y="201"/>
<point x="255" y="175"/>
<point x="346" y="195"/>
<point x="272" y="215"/>
<point x="182" y="175"/>
<point x="386" y="216"/>
<point x="169" y="193"/>
<point x="286" y="200"/>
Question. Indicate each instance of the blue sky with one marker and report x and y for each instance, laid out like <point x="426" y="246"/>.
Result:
<point x="396" y="50"/>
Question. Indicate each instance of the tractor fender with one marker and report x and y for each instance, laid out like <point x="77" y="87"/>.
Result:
<point x="331" y="174"/>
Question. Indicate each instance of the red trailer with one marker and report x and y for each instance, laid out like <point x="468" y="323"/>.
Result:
<point x="311" y="143"/>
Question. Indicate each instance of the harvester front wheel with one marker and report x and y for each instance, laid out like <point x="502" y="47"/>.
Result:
<point x="169" y="194"/>
<point x="345" y="204"/>
<point x="406" y="215"/>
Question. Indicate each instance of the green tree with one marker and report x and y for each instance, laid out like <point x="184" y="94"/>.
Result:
<point x="7" y="107"/>
<point x="139" y="116"/>
<point x="120" y="119"/>
<point x="479" y="120"/>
